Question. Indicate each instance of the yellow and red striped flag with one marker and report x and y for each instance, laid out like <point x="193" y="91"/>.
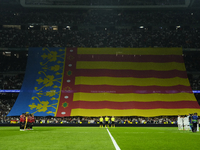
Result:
<point x="125" y="82"/>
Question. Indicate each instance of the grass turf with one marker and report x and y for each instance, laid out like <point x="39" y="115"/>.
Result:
<point x="87" y="138"/>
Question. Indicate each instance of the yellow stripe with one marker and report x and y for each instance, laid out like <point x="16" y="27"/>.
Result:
<point x="130" y="65"/>
<point x="61" y="83"/>
<point x="132" y="112"/>
<point x="133" y="97"/>
<point x="125" y="81"/>
<point x="131" y="51"/>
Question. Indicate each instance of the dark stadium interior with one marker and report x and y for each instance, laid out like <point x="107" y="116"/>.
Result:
<point x="22" y="27"/>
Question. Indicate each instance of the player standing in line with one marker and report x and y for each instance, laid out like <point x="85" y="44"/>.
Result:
<point x="32" y="120"/>
<point x="182" y="121"/>
<point x="106" y="120"/>
<point x="190" y="118"/>
<point x="29" y="122"/>
<point x="26" y="121"/>
<point x="179" y="122"/>
<point x="194" y="122"/>
<point x="101" y="122"/>
<point x="22" y="122"/>
<point x="186" y="123"/>
<point x="113" y="122"/>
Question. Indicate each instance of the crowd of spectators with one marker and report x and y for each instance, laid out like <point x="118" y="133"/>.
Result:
<point x="99" y="28"/>
<point x="192" y="61"/>
<point x="7" y="100"/>
<point x="197" y="95"/>
<point x="12" y="62"/>
<point x="195" y="83"/>
<point x="22" y="16"/>
<point x="11" y="81"/>
<point x="14" y="38"/>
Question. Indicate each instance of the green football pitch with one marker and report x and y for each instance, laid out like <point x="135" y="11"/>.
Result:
<point x="94" y="138"/>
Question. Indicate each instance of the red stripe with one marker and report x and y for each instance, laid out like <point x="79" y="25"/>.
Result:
<point x="135" y="105"/>
<point x="70" y="58"/>
<point x="131" y="89"/>
<point x="131" y="58"/>
<point x="130" y="73"/>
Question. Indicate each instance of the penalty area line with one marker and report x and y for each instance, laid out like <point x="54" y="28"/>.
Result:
<point x="113" y="140"/>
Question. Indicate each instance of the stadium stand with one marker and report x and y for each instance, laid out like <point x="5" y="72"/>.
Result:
<point x="22" y="28"/>
<point x="7" y="100"/>
<point x="164" y="38"/>
<point x="22" y="16"/>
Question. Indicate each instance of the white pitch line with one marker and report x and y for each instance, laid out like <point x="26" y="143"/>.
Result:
<point x="113" y="140"/>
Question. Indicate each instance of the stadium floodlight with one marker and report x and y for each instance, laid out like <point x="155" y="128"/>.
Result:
<point x="141" y="27"/>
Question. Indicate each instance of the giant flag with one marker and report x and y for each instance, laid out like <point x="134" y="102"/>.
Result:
<point x="105" y="81"/>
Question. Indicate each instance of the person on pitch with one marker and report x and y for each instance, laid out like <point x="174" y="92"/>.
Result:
<point x="31" y="120"/>
<point x="101" y="122"/>
<point x="190" y="118"/>
<point x="113" y="121"/>
<point x="22" y="122"/>
<point x="26" y="121"/>
<point x="180" y="122"/>
<point x="186" y="123"/>
<point x="194" y="122"/>
<point x="106" y="120"/>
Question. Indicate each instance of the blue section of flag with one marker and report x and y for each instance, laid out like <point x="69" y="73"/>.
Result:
<point x="42" y="83"/>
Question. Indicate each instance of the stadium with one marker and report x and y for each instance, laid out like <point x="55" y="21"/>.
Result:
<point x="96" y="74"/>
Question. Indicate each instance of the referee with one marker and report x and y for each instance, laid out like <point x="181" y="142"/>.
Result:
<point x="113" y="122"/>
<point x="106" y="119"/>
<point x="101" y="122"/>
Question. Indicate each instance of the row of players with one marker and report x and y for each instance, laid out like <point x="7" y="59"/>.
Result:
<point x="189" y="122"/>
<point x="106" y="121"/>
<point x="26" y="121"/>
